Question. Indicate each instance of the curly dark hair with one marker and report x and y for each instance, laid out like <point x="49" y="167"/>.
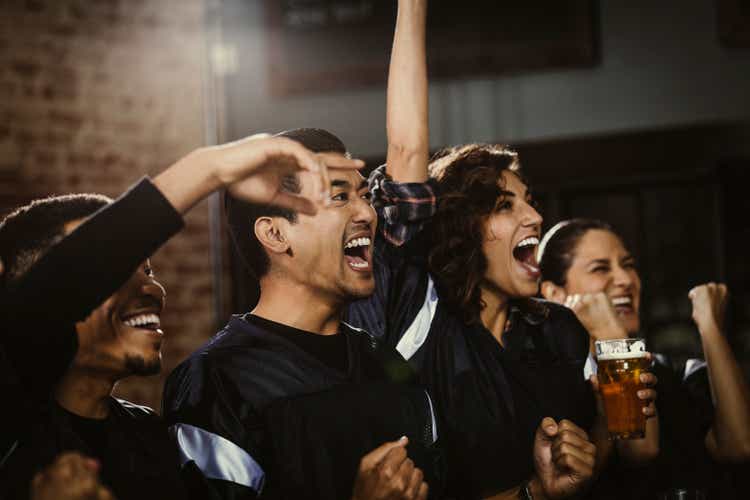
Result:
<point x="30" y="231"/>
<point x="471" y="188"/>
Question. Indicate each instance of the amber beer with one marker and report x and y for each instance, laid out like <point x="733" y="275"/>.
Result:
<point x="620" y="364"/>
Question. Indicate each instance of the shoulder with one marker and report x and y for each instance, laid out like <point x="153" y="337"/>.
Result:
<point x="538" y="311"/>
<point x="560" y="326"/>
<point x="190" y="379"/>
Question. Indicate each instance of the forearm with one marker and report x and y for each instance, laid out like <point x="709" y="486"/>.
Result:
<point x="407" y="101"/>
<point x="102" y="253"/>
<point x="729" y="437"/>
<point x="188" y="181"/>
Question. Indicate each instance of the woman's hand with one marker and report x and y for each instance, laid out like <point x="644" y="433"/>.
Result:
<point x="709" y="307"/>
<point x="595" y="312"/>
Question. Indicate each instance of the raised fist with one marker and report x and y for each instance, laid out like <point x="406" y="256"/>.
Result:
<point x="595" y="312"/>
<point x="709" y="305"/>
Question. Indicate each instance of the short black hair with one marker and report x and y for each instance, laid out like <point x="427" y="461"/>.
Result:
<point x="241" y="215"/>
<point x="556" y="251"/>
<point x="28" y="232"/>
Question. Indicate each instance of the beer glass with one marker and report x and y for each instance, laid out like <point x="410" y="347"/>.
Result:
<point x="620" y="364"/>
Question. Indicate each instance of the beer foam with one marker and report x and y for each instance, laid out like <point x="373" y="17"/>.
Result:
<point x="620" y="355"/>
<point x="620" y="349"/>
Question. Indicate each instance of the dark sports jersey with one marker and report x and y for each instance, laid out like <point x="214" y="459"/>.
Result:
<point x="137" y="456"/>
<point x="262" y="416"/>
<point x="490" y="398"/>
<point x="38" y="341"/>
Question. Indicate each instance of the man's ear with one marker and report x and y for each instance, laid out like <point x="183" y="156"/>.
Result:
<point x="553" y="292"/>
<point x="271" y="233"/>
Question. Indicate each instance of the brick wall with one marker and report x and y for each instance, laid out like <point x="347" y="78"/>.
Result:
<point x="94" y="95"/>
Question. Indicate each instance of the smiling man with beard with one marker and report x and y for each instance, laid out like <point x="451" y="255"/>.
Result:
<point x="81" y="310"/>
<point x="287" y="400"/>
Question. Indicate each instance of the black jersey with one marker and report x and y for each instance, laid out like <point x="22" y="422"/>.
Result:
<point x="38" y="342"/>
<point x="490" y="398"/>
<point x="261" y="416"/>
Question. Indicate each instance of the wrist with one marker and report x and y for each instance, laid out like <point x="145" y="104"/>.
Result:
<point x="187" y="181"/>
<point x="534" y="488"/>
<point x="709" y="330"/>
<point x="203" y="167"/>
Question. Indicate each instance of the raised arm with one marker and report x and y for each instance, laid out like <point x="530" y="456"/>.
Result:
<point x="729" y="437"/>
<point x="407" y="112"/>
<point x="110" y="245"/>
<point x="88" y="265"/>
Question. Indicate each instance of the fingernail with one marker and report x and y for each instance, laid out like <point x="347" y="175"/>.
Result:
<point x="92" y="464"/>
<point x="402" y="438"/>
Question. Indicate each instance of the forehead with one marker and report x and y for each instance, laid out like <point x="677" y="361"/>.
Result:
<point x="341" y="177"/>
<point x="352" y="177"/>
<point x="511" y="182"/>
<point x="600" y="244"/>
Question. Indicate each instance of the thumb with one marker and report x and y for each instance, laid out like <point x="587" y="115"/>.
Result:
<point x="375" y="456"/>
<point x="547" y="429"/>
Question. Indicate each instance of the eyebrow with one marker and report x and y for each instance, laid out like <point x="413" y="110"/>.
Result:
<point x="599" y="261"/>
<point x="341" y="183"/>
<point x="346" y="184"/>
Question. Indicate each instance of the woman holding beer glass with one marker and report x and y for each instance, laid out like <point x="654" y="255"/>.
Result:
<point x="586" y="266"/>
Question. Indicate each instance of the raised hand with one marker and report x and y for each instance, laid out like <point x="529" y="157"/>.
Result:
<point x="595" y="312"/>
<point x="709" y="306"/>
<point x="388" y="473"/>
<point x="564" y="458"/>
<point x="70" y="477"/>
<point x="252" y="169"/>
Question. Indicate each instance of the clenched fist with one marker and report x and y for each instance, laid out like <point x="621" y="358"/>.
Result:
<point x="595" y="312"/>
<point x="709" y="306"/>
<point x="70" y="477"/>
<point x="388" y="473"/>
<point x="564" y="458"/>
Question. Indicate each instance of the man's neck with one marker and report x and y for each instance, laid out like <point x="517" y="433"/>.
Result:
<point x="299" y="307"/>
<point x="85" y="394"/>
<point x="495" y="312"/>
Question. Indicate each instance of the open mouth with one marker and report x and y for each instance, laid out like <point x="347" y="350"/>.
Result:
<point x="145" y="321"/>
<point x="623" y="304"/>
<point x="357" y="253"/>
<point x="525" y="254"/>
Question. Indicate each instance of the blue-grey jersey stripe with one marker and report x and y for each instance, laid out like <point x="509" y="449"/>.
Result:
<point x="217" y="457"/>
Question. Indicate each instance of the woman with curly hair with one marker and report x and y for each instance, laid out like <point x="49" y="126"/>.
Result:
<point x="455" y="276"/>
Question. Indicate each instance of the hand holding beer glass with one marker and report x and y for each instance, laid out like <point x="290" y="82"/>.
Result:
<point x="621" y="363"/>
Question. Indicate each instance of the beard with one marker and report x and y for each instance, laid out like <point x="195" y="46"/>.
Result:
<point x="138" y="365"/>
